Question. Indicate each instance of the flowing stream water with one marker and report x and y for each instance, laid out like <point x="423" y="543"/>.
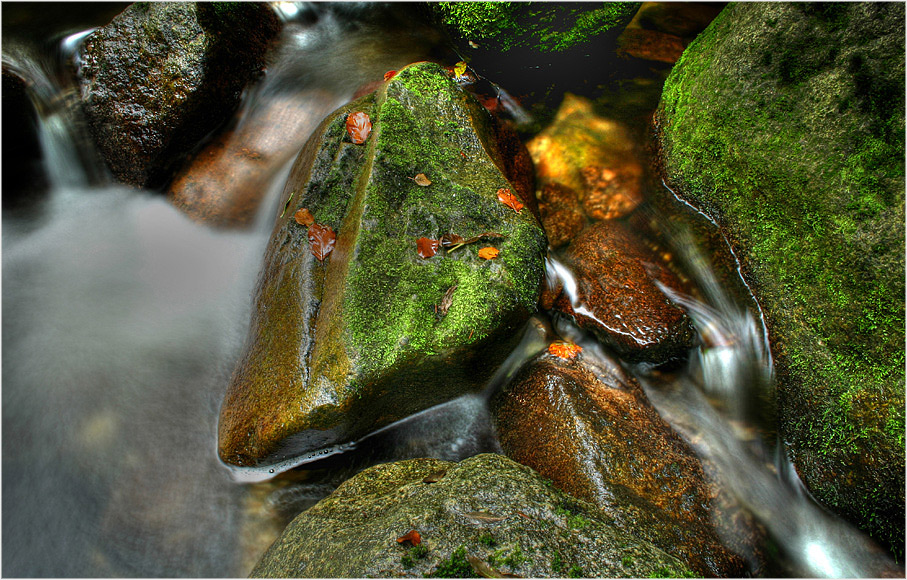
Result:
<point x="122" y="320"/>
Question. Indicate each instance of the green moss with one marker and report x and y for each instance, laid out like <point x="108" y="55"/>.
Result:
<point x="575" y="571"/>
<point x="539" y="26"/>
<point x="408" y="560"/>
<point x="627" y="561"/>
<point x="456" y="566"/>
<point x="486" y="539"/>
<point x="557" y="563"/>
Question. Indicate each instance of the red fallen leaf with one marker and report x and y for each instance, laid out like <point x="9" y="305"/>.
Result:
<point x="321" y="240"/>
<point x="358" y="125"/>
<point x="427" y="247"/>
<point x="304" y="217"/>
<point x="489" y="253"/>
<point x="564" y="350"/>
<point x="389" y="75"/>
<point x="510" y="200"/>
<point x="412" y="537"/>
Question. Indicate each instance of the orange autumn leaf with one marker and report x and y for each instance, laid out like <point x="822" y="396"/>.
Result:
<point x="489" y="253"/>
<point x="422" y="180"/>
<point x="510" y="200"/>
<point x="427" y="247"/>
<point x="321" y="240"/>
<point x="358" y="125"/>
<point x="389" y="75"/>
<point x="304" y="217"/>
<point x="564" y="350"/>
<point x="412" y="537"/>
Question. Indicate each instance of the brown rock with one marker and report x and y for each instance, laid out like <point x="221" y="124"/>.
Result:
<point x="612" y="192"/>
<point x="561" y="213"/>
<point x="161" y="76"/>
<point x="225" y="183"/>
<point x="650" y="45"/>
<point x="578" y="138"/>
<point x="617" y="297"/>
<point x="588" y="427"/>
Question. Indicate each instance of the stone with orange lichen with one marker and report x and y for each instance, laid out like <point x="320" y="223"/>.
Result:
<point x="578" y="138"/>
<point x="612" y="192"/>
<point x="618" y="299"/>
<point x="561" y="213"/>
<point x="588" y="427"/>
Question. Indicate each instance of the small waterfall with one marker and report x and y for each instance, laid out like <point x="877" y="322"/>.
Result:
<point x="69" y="156"/>
<point x="722" y="406"/>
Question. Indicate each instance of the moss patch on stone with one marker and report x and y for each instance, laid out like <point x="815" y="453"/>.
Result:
<point x="541" y="26"/>
<point x="785" y="122"/>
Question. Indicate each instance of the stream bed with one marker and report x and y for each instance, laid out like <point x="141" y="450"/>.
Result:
<point x="123" y="321"/>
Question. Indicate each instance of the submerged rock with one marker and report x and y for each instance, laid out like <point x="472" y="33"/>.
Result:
<point x="161" y="76"/>
<point x="617" y="298"/>
<point x="485" y="516"/>
<point x="785" y="123"/>
<point x="594" y="156"/>
<point x="375" y="333"/>
<point x="588" y="427"/>
<point x="562" y="215"/>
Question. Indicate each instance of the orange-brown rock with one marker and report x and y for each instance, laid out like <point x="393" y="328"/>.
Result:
<point x="577" y="139"/>
<point x="612" y="192"/>
<point x="617" y="298"/>
<point x="650" y="45"/>
<point x="226" y="182"/>
<point x="561" y="213"/>
<point x="588" y="427"/>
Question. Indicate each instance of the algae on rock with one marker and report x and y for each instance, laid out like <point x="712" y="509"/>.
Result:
<point x="785" y="122"/>
<point x="484" y="516"/>
<point x="339" y="349"/>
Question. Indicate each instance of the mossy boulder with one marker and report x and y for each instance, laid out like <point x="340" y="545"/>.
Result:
<point x="375" y="332"/>
<point x="785" y="123"/>
<point x="483" y="516"/>
<point x="161" y="76"/>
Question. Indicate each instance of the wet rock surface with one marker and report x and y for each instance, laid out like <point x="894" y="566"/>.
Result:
<point x="562" y="214"/>
<point x="161" y="76"/>
<point x="594" y="156"/>
<point x="785" y="124"/>
<point x="617" y="297"/>
<point x="588" y="427"/>
<point x="483" y="516"/>
<point x="375" y="332"/>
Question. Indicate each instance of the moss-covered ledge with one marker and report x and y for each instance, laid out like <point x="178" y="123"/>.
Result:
<point x="785" y="122"/>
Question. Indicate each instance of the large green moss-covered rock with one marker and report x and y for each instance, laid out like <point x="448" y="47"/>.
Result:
<point x="485" y="516"/>
<point x="376" y="333"/>
<point x="785" y="122"/>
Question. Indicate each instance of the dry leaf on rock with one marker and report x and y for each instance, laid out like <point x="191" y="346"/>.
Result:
<point x="427" y="247"/>
<point x="564" y="350"/>
<point x="420" y="179"/>
<point x="509" y="199"/>
<point x="358" y="125"/>
<point x="321" y="240"/>
<point x="489" y="253"/>
<point x="412" y="537"/>
<point x="304" y="217"/>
